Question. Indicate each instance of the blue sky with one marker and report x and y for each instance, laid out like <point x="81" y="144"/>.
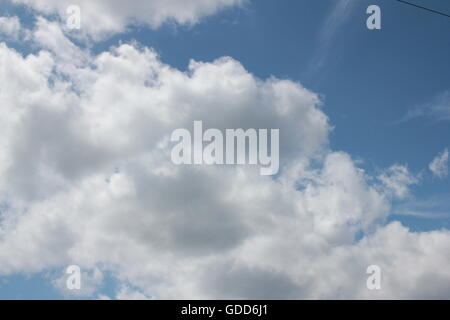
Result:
<point x="369" y="81"/>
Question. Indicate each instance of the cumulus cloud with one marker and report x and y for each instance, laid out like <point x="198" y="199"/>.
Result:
<point x="10" y="27"/>
<point x="103" y="17"/>
<point x="397" y="181"/>
<point x="439" y="165"/>
<point x="86" y="177"/>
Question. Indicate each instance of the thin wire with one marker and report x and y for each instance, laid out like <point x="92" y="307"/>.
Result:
<point x="423" y="8"/>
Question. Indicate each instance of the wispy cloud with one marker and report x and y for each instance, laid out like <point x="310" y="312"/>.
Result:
<point x="333" y="24"/>
<point x="437" y="109"/>
<point x="436" y="207"/>
<point x="336" y="19"/>
<point x="439" y="165"/>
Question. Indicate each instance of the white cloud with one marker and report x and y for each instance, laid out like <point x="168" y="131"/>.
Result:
<point x="86" y="174"/>
<point x="10" y="27"/>
<point x="437" y="109"/>
<point x="396" y="180"/>
<point x="103" y="17"/>
<point x="334" y="22"/>
<point x="336" y="18"/>
<point x="439" y="165"/>
<point x="125" y="293"/>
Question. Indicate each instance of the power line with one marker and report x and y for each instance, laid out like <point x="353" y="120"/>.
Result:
<point x="424" y="8"/>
